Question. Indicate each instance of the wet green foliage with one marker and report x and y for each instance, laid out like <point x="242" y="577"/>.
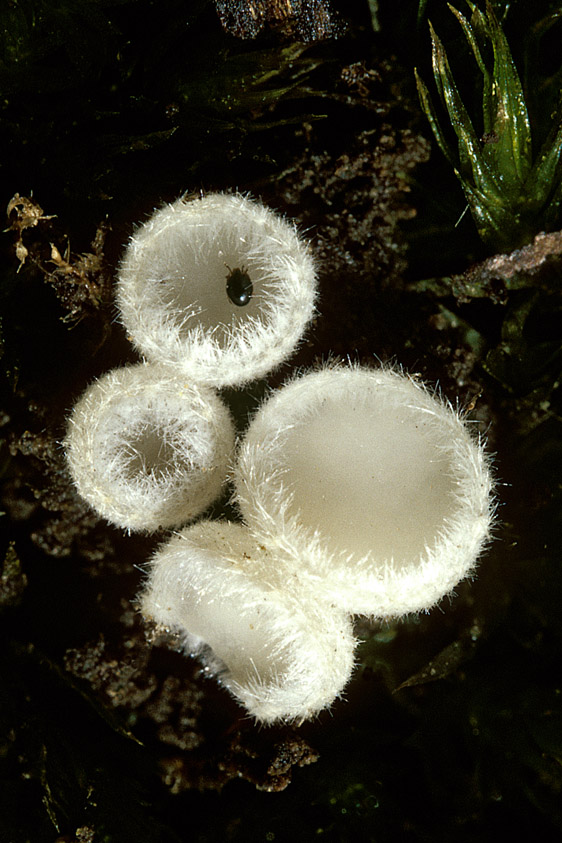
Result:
<point x="513" y="190"/>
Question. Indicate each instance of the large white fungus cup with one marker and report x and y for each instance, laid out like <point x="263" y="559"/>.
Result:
<point x="219" y="287"/>
<point x="371" y="484"/>
<point x="273" y="644"/>
<point x="148" y="450"/>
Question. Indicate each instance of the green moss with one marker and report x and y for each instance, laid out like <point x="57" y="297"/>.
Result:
<point x="511" y="191"/>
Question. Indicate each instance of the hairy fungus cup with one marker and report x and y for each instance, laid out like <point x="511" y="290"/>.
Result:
<point x="146" y="450"/>
<point x="220" y="288"/>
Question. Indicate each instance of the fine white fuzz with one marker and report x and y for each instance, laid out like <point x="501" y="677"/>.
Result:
<point x="273" y="644"/>
<point x="148" y="450"/>
<point x="178" y="285"/>
<point x="370" y="484"/>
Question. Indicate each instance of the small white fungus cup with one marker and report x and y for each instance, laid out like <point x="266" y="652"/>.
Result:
<point x="173" y="288"/>
<point x="148" y="450"/>
<point x="272" y="644"/>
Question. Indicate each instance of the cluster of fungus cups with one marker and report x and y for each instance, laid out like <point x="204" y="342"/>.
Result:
<point x="360" y="491"/>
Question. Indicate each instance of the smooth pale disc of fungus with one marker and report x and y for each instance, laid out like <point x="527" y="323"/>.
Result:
<point x="219" y="287"/>
<point x="371" y="483"/>
<point x="148" y="450"/>
<point x="280" y="651"/>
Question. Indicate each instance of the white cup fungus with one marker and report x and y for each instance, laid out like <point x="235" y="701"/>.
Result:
<point x="220" y="288"/>
<point x="148" y="450"/>
<point x="374" y="483"/>
<point x="272" y="644"/>
<point x="361" y="492"/>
